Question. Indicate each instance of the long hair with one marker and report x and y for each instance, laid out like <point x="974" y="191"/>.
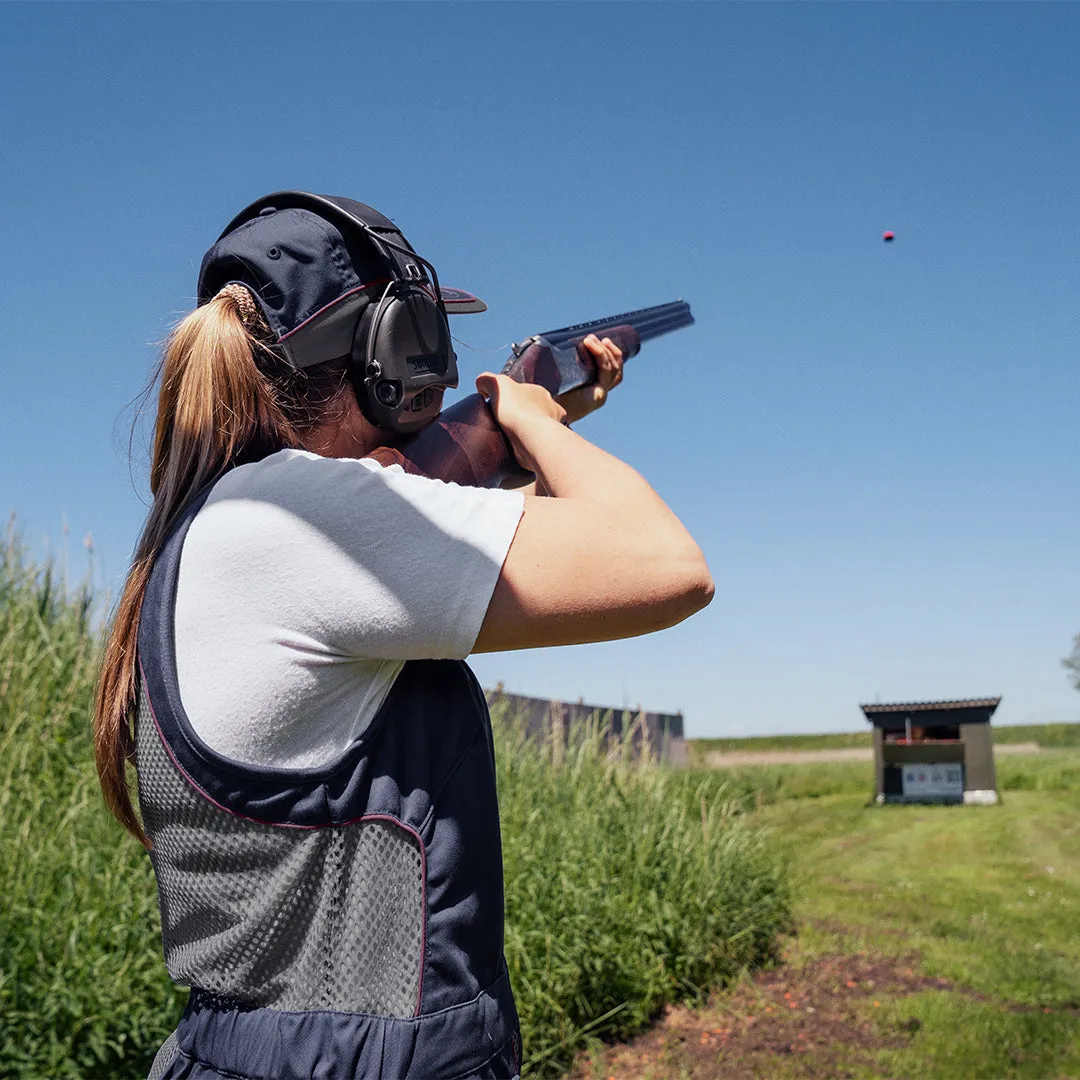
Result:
<point x="225" y="398"/>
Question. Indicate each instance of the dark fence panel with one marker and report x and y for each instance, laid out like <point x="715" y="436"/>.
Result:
<point x="658" y="735"/>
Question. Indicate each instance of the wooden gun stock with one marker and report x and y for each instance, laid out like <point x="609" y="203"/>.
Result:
<point x="464" y="444"/>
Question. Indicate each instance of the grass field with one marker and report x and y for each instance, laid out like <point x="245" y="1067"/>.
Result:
<point x="932" y="941"/>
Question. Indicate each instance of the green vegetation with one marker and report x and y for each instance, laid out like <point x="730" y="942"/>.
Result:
<point x="1048" y="736"/>
<point x="82" y="991"/>
<point x="1048" y="770"/>
<point x="627" y="887"/>
<point x="984" y="898"/>
<point x="931" y="941"/>
<point x="978" y="905"/>
<point x="841" y="740"/>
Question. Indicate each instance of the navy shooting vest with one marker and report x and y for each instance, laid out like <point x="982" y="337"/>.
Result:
<point x="333" y="923"/>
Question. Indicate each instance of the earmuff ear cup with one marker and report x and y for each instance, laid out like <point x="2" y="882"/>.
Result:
<point x="413" y="327"/>
<point x="405" y="358"/>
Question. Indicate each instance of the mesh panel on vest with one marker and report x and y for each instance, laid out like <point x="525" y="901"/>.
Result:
<point x="277" y="916"/>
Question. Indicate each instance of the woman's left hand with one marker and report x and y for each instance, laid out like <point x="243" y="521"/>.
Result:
<point x="609" y="365"/>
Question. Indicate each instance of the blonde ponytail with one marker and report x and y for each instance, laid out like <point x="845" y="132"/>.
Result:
<point x="224" y="399"/>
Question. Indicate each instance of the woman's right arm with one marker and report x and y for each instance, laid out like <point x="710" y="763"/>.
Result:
<point x="602" y="558"/>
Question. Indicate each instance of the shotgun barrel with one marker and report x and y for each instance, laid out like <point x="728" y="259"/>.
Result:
<point x="464" y="445"/>
<point x="556" y="360"/>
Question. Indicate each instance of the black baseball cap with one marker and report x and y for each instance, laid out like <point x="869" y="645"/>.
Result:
<point x="313" y="264"/>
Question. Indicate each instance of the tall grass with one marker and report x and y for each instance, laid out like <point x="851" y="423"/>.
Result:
<point x="627" y="886"/>
<point x="82" y="985"/>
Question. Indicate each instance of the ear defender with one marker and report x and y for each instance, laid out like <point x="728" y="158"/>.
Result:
<point x="402" y="357"/>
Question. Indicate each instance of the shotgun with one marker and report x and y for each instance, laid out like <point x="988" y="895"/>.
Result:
<point x="464" y="445"/>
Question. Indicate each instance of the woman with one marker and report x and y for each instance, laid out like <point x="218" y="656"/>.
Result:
<point x="285" y="666"/>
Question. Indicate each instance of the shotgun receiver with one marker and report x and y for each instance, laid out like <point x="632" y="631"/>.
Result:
<point x="464" y="444"/>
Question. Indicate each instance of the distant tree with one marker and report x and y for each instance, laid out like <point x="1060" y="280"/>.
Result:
<point x="1072" y="662"/>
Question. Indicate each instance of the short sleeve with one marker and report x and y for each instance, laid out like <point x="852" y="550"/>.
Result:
<point x="348" y="558"/>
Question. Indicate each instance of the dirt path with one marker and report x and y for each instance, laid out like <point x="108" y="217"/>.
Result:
<point x="818" y="1017"/>
<point x="720" y="759"/>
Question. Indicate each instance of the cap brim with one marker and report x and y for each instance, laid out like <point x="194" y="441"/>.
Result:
<point x="460" y="302"/>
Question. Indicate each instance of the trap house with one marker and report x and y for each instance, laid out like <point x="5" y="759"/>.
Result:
<point x="934" y="751"/>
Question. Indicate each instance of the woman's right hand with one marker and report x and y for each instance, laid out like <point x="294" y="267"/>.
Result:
<point x="521" y="410"/>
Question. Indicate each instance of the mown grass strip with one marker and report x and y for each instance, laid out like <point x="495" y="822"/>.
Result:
<point x="983" y="898"/>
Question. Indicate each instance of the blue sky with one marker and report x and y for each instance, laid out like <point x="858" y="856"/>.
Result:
<point x="876" y="445"/>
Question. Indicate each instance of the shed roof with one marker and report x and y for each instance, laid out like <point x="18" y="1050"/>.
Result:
<point x="931" y="706"/>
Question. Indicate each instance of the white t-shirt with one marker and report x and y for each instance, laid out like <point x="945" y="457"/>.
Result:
<point x="306" y="583"/>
